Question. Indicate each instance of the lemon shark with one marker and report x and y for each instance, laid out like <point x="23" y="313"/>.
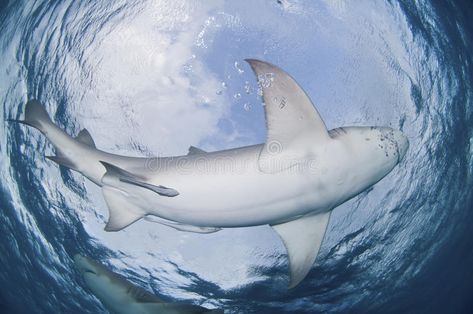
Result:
<point x="120" y="296"/>
<point x="291" y="182"/>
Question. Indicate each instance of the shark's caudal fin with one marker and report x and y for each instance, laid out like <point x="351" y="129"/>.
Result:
<point x="293" y="123"/>
<point x="35" y="115"/>
<point x="302" y="238"/>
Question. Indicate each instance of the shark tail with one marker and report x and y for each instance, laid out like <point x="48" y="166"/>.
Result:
<point x="83" y="137"/>
<point x="35" y="115"/>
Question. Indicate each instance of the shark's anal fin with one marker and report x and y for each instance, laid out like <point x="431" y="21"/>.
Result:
<point x="127" y="177"/>
<point x="85" y="138"/>
<point x="181" y="227"/>
<point x="122" y="212"/>
<point x="302" y="238"/>
<point x="293" y="124"/>
<point x="195" y="150"/>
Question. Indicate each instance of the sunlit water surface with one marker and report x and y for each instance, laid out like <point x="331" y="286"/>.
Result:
<point x="150" y="78"/>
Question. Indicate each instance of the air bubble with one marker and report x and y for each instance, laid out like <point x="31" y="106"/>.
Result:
<point x="247" y="107"/>
<point x="237" y="67"/>
<point x="248" y="88"/>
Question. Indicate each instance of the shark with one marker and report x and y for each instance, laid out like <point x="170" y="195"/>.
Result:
<point x="291" y="182"/>
<point x="120" y="296"/>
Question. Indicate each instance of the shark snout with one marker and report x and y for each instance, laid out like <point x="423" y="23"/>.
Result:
<point x="397" y="138"/>
<point x="84" y="264"/>
<point x="402" y="143"/>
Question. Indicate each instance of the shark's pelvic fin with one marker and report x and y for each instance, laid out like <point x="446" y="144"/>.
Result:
<point x="181" y="227"/>
<point x="127" y="177"/>
<point x="291" y="119"/>
<point x="85" y="138"/>
<point x="195" y="150"/>
<point x="302" y="238"/>
<point x="122" y="212"/>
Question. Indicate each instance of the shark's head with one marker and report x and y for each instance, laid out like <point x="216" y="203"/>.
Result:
<point x="388" y="141"/>
<point x="87" y="266"/>
<point x="372" y="151"/>
<point x="110" y="288"/>
<point x="121" y="296"/>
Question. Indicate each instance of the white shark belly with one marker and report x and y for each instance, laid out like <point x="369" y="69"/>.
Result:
<point x="232" y="198"/>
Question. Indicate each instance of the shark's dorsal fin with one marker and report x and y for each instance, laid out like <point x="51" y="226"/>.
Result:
<point x="302" y="238"/>
<point x="85" y="138"/>
<point x="292" y="121"/>
<point x="195" y="150"/>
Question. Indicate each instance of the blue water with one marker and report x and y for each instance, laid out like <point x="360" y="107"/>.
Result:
<point x="151" y="78"/>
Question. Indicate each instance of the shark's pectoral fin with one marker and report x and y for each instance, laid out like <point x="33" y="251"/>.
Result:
<point x="181" y="227"/>
<point x="127" y="177"/>
<point x="302" y="238"/>
<point x="160" y="189"/>
<point x="195" y="150"/>
<point x="293" y="123"/>
<point x="122" y="212"/>
<point x="85" y="138"/>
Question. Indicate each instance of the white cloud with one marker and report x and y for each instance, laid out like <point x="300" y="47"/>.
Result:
<point x="149" y="90"/>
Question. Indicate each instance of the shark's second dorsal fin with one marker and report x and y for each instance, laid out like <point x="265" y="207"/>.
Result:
<point x="292" y="122"/>
<point x="85" y="138"/>
<point x="302" y="238"/>
<point x="195" y="150"/>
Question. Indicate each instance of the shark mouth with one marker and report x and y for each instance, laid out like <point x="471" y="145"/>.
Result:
<point x="89" y="271"/>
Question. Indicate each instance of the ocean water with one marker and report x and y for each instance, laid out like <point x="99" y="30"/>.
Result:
<point x="150" y="78"/>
